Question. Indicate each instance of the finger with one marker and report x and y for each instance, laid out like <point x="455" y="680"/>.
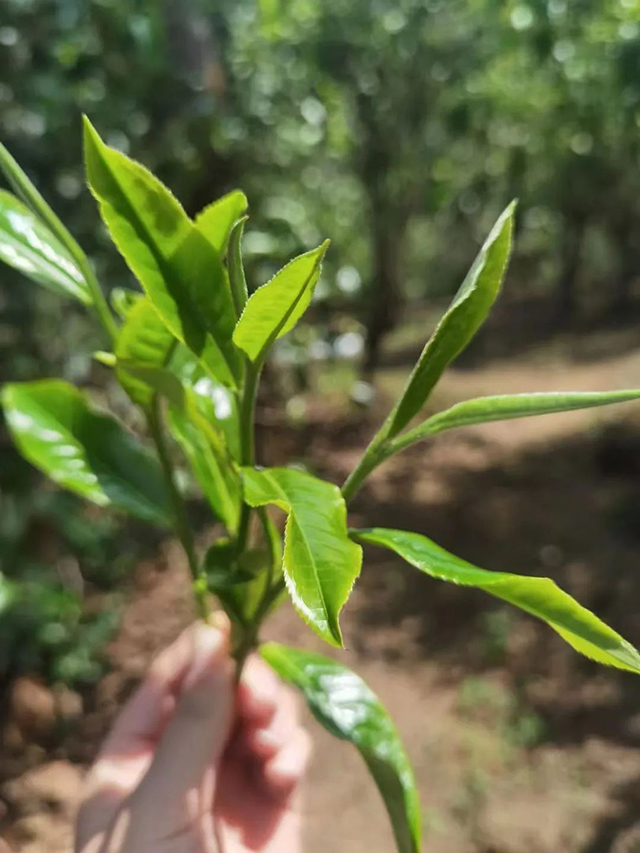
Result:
<point x="181" y="778"/>
<point x="258" y="692"/>
<point x="128" y="750"/>
<point x="264" y="741"/>
<point x="282" y="773"/>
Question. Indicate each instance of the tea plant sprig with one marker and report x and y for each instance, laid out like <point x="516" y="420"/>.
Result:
<point x="189" y="351"/>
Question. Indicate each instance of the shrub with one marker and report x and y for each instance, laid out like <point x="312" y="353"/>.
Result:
<point x="189" y="351"/>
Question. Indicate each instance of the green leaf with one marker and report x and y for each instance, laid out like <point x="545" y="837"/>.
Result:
<point x="275" y="308"/>
<point x="177" y="266"/>
<point x="462" y="320"/>
<point x="204" y="447"/>
<point x="537" y="596"/>
<point x="341" y="701"/>
<point x="201" y="440"/>
<point x="320" y="563"/>
<point x="507" y="406"/>
<point x="237" y="280"/>
<point x="28" y="245"/>
<point x="25" y="189"/>
<point x="123" y="300"/>
<point x="218" y="219"/>
<point x="143" y="340"/>
<point x="56" y="429"/>
<point x="216" y="403"/>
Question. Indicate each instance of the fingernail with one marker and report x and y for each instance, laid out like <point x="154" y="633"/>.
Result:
<point x="208" y="645"/>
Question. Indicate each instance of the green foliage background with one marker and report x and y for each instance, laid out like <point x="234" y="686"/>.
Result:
<point x="399" y="128"/>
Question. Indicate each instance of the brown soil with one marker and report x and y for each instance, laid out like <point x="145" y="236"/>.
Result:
<point x="519" y="745"/>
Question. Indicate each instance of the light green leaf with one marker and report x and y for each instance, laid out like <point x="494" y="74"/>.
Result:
<point x="507" y="406"/>
<point x="320" y="563"/>
<point x="341" y="701"/>
<point x="237" y="280"/>
<point x="56" y="429"/>
<point x="275" y="308"/>
<point x="178" y="268"/>
<point x="144" y="340"/>
<point x="25" y="190"/>
<point x="123" y="300"/>
<point x="538" y="596"/>
<point x="28" y="245"/>
<point x="462" y="320"/>
<point x="204" y="447"/>
<point x="201" y="440"/>
<point x="215" y="402"/>
<point x="218" y="219"/>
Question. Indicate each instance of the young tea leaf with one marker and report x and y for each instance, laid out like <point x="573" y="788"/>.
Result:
<point x="320" y="562"/>
<point x="275" y="308"/>
<point x="201" y="440"/>
<point x="177" y="266"/>
<point x="341" y="701"/>
<point x="538" y="596"/>
<point x="56" y="429"/>
<point x="143" y="340"/>
<point x="462" y="320"/>
<point x="217" y="220"/>
<point x="122" y="300"/>
<point x="507" y="406"/>
<point x="28" y="245"/>
<point x="237" y="279"/>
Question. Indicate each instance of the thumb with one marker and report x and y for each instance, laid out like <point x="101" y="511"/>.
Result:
<point x="180" y="782"/>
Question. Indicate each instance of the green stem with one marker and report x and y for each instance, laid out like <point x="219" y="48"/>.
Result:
<point x="181" y="523"/>
<point x="247" y="439"/>
<point x="373" y="456"/>
<point x="100" y="305"/>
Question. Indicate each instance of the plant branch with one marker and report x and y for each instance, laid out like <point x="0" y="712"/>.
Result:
<point x="181" y="523"/>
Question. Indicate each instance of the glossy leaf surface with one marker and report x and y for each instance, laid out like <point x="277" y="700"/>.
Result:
<point x="28" y="245"/>
<point x="216" y="221"/>
<point x="177" y="266"/>
<point x="508" y="406"/>
<point x="538" y="596"/>
<point x="201" y="440"/>
<point x="92" y="454"/>
<point x="462" y="320"/>
<point x="275" y="308"/>
<point x="145" y="340"/>
<point x="320" y="563"/>
<point x="341" y="701"/>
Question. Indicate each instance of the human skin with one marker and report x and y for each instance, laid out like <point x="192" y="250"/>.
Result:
<point x="196" y="763"/>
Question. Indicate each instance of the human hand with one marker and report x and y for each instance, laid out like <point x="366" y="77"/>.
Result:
<point x="196" y="764"/>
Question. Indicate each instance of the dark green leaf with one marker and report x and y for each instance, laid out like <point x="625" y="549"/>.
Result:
<point x="320" y="563"/>
<point x="275" y="308"/>
<point x="28" y="245"/>
<point x="177" y="266"/>
<point x="508" y="406"/>
<point x="217" y="219"/>
<point x="538" y="596"/>
<point x="56" y="429"/>
<point x="346" y="707"/>
<point x="462" y="320"/>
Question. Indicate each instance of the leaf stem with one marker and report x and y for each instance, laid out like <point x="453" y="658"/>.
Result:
<point x="181" y="523"/>
<point x="372" y="457"/>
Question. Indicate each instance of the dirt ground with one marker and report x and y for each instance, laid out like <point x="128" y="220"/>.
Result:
<point x="519" y="745"/>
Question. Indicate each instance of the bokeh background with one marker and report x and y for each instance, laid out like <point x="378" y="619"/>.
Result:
<point x="399" y="129"/>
